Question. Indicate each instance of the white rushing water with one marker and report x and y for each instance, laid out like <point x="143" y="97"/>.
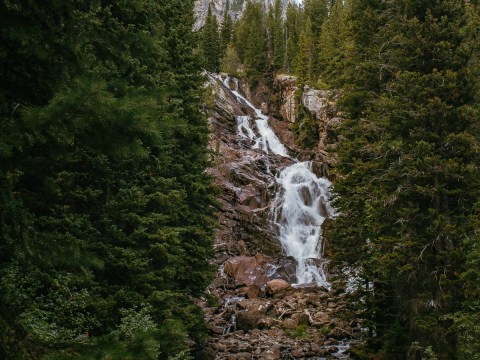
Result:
<point x="266" y="140"/>
<point x="302" y="202"/>
<point x="300" y="209"/>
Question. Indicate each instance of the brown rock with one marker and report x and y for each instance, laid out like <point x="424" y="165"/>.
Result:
<point x="240" y="356"/>
<point x="271" y="354"/>
<point x="246" y="270"/>
<point x="253" y="291"/>
<point x="248" y="320"/>
<point x="298" y="353"/>
<point x="290" y="324"/>
<point x="276" y="286"/>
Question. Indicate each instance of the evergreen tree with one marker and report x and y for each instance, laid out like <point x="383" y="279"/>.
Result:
<point x="317" y="11"/>
<point x="278" y="36"/>
<point x="106" y="211"/>
<point x="230" y="62"/>
<point x="211" y="42"/>
<point x="250" y="40"/>
<point x="333" y="44"/>
<point x="226" y="31"/>
<point x="293" y="29"/>
<point x="409" y="170"/>
<point x="305" y="57"/>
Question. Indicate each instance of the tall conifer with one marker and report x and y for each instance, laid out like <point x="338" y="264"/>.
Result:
<point x="409" y="169"/>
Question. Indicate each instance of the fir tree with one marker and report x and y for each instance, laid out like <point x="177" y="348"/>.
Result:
<point x="211" y="42"/>
<point x="250" y="40"/>
<point x="278" y="36"/>
<point x="105" y="216"/>
<point x="333" y="44"/>
<point x="226" y="31"/>
<point x="293" y="28"/>
<point x="409" y="170"/>
<point x="305" y="56"/>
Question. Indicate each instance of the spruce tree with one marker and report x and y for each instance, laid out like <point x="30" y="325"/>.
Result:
<point x="106" y="210"/>
<point x="278" y="36"/>
<point x="409" y="170"/>
<point x="211" y="42"/>
<point x="250" y="40"/>
<point x="226" y="31"/>
<point x="293" y="29"/>
<point x="333" y="43"/>
<point x="305" y="56"/>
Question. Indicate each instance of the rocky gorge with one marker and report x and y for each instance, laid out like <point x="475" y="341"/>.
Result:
<point x="258" y="307"/>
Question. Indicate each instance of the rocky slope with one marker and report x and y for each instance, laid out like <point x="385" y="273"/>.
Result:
<point x="253" y="311"/>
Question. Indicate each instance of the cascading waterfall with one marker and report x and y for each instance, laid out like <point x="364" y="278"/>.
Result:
<point x="302" y="202"/>
<point x="267" y="140"/>
<point x="300" y="208"/>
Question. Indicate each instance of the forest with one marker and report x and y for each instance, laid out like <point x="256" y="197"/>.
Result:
<point x="107" y="215"/>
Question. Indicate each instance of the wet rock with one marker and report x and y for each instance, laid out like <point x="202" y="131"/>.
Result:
<point x="247" y="270"/>
<point x="253" y="291"/>
<point x="258" y="309"/>
<point x="240" y="356"/>
<point x="206" y="353"/>
<point x="277" y="286"/>
<point x="271" y="354"/>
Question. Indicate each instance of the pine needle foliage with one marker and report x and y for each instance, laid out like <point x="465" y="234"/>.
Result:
<point x="409" y="170"/>
<point x="106" y="212"/>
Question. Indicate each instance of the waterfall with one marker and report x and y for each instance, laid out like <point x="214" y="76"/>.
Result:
<point x="302" y="202"/>
<point x="300" y="208"/>
<point x="266" y="140"/>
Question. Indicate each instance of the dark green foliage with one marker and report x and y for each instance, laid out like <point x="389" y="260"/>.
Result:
<point x="226" y="32"/>
<point x="305" y="128"/>
<point x="277" y="35"/>
<point x="304" y="59"/>
<point x="333" y="44"/>
<point x="211" y="42"/>
<point x="409" y="170"/>
<point x="293" y="29"/>
<point x="105" y="209"/>
<point x="250" y="40"/>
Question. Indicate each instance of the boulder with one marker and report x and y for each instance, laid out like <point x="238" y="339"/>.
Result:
<point x="277" y="286"/>
<point x="271" y="354"/>
<point x="247" y="270"/>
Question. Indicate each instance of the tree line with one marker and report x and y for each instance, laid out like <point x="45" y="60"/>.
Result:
<point x="106" y="212"/>
<point x="408" y="175"/>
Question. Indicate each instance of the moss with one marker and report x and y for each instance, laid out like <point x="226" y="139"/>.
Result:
<point x="300" y="332"/>
<point x="359" y="352"/>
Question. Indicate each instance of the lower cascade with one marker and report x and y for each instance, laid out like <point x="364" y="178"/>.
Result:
<point x="302" y="201"/>
<point x="300" y="209"/>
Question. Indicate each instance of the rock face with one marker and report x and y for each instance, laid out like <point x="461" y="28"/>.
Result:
<point x="253" y="311"/>
<point x="218" y="7"/>
<point x="321" y="104"/>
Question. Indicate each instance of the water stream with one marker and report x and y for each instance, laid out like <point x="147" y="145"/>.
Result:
<point x="302" y="201"/>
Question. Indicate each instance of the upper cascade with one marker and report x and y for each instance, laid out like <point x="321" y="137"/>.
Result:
<point x="301" y="202"/>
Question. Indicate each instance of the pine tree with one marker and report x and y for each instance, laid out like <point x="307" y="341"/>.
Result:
<point x="293" y="29"/>
<point x="211" y="42"/>
<point x="226" y="31"/>
<point x="250" y="40"/>
<point x="278" y="36"/>
<point x="317" y="11"/>
<point x="409" y="170"/>
<point x="333" y="43"/>
<point x="106" y="209"/>
<point x="305" y="56"/>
